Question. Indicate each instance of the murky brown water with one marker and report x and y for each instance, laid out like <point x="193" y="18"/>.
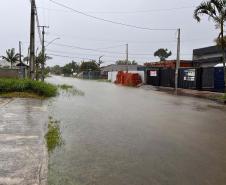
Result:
<point x="123" y="136"/>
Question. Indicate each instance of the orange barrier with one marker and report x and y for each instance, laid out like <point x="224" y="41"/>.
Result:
<point x="128" y="79"/>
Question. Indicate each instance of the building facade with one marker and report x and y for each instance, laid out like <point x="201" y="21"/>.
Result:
<point x="207" y="57"/>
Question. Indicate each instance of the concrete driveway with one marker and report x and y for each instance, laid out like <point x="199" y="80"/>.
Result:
<point x="23" y="155"/>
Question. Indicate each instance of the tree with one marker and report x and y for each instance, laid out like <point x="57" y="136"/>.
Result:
<point x="70" y="68"/>
<point x="40" y="59"/>
<point x="89" y="66"/>
<point x="218" y="41"/>
<point x="57" y="70"/>
<point x="163" y="54"/>
<point x="216" y="11"/>
<point x="124" y="62"/>
<point x="11" y="56"/>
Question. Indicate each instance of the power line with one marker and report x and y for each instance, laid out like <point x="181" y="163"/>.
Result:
<point x="102" y="51"/>
<point x="87" y="49"/>
<point x="110" y="47"/>
<point x="126" y="12"/>
<point x="109" y="21"/>
<point x="111" y="40"/>
<point x="73" y="57"/>
<point x="65" y="56"/>
<point x="106" y="56"/>
<point x="70" y="53"/>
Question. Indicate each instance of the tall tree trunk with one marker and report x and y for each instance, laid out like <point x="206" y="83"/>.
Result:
<point x="223" y="53"/>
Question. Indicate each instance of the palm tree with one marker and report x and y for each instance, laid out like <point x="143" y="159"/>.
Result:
<point x="40" y="59"/>
<point x="216" y="11"/>
<point x="11" y="56"/>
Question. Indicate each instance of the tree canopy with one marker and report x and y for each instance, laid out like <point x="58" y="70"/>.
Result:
<point x="11" y="56"/>
<point x="89" y="66"/>
<point x="163" y="54"/>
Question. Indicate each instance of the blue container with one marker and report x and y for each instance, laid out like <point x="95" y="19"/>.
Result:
<point x="219" y="79"/>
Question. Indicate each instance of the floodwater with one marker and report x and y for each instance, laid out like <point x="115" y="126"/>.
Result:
<point x="116" y="135"/>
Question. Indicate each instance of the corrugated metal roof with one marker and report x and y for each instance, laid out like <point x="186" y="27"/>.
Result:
<point x="209" y="60"/>
<point x="207" y="51"/>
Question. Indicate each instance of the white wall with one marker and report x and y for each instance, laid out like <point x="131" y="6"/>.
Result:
<point x="113" y="75"/>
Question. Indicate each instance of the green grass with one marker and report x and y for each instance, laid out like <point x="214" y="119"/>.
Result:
<point x="53" y="136"/>
<point x="70" y="90"/>
<point x="10" y="86"/>
<point x="65" y="86"/>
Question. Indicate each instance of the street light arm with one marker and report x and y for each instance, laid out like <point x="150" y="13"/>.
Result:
<point x="52" y="41"/>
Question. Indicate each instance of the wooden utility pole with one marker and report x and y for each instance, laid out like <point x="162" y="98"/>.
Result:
<point x="178" y="59"/>
<point x="32" y="41"/>
<point x="43" y="52"/>
<point x="20" y="52"/>
<point x="127" y="56"/>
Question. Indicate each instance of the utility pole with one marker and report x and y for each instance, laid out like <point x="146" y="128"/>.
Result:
<point x="43" y="52"/>
<point x="127" y="56"/>
<point x="178" y="59"/>
<point x="21" y="71"/>
<point x="20" y="51"/>
<point x="32" y="41"/>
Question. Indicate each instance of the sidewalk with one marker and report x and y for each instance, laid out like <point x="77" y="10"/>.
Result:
<point x="215" y="96"/>
<point x="23" y="155"/>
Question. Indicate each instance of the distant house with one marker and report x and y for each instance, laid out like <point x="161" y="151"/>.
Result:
<point x="169" y="64"/>
<point x="114" y="67"/>
<point x="207" y="57"/>
<point x="4" y="64"/>
<point x="112" y="70"/>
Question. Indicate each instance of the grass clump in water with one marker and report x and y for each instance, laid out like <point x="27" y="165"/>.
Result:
<point x="53" y="136"/>
<point x="18" y="86"/>
<point x="65" y="87"/>
<point x="70" y="90"/>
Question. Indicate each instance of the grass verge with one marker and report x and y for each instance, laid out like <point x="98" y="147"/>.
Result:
<point x="26" y="88"/>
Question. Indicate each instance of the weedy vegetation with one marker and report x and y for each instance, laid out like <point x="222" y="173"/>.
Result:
<point x="53" y="136"/>
<point x="70" y="90"/>
<point x="26" y="88"/>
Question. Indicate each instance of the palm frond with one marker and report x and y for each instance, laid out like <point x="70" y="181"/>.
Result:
<point x="218" y="4"/>
<point x="204" y="8"/>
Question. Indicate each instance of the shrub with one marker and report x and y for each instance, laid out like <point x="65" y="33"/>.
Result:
<point x="37" y="87"/>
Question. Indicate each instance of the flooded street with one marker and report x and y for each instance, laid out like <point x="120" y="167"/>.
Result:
<point x="116" y="135"/>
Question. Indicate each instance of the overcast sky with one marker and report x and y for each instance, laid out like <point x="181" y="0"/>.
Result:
<point x="78" y="30"/>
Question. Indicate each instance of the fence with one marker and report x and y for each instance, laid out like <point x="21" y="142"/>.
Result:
<point x="211" y="79"/>
<point x="13" y="73"/>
